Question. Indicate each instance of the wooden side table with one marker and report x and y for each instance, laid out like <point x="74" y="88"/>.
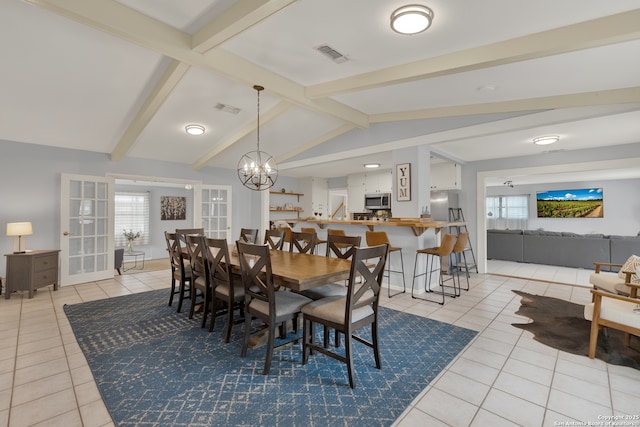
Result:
<point x="31" y="270"/>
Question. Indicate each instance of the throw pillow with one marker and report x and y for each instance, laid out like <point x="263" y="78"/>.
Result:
<point x="632" y="264"/>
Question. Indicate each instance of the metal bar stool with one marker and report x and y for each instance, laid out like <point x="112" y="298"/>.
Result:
<point x="442" y="252"/>
<point x="459" y="250"/>
<point x="375" y="238"/>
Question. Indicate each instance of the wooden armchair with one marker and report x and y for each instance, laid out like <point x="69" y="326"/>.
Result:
<point x="612" y="282"/>
<point x="613" y="311"/>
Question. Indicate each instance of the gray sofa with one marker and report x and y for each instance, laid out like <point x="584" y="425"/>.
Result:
<point x="560" y="248"/>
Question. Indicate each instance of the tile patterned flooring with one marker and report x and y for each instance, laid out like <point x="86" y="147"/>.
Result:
<point x="503" y="378"/>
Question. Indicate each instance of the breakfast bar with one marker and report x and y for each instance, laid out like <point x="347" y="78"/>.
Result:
<point x="417" y="225"/>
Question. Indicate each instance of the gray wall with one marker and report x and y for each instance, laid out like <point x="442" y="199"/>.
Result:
<point x="30" y="190"/>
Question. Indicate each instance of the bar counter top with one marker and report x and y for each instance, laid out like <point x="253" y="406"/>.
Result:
<point x="417" y="225"/>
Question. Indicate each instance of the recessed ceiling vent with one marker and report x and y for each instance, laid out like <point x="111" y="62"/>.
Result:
<point x="228" y="108"/>
<point x="335" y="56"/>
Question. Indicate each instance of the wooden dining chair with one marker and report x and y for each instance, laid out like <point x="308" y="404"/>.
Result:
<point x="182" y="233"/>
<point x="338" y="246"/>
<point x="304" y="243"/>
<point x="274" y="238"/>
<point x="262" y="301"/>
<point x="201" y="292"/>
<point x="319" y="241"/>
<point x="226" y="287"/>
<point x="180" y="270"/>
<point x="349" y="313"/>
<point x="249" y="235"/>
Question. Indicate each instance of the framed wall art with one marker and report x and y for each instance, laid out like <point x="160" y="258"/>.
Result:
<point x="173" y="208"/>
<point x="403" y="182"/>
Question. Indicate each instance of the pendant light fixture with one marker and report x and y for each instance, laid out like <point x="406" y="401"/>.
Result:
<point x="257" y="170"/>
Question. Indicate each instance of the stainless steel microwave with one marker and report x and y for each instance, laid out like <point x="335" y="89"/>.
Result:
<point x="377" y="201"/>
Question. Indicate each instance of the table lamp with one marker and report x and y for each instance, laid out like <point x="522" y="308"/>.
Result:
<point x="19" y="229"/>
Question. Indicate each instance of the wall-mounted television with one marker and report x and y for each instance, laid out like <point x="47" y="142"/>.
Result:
<point x="580" y="203"/>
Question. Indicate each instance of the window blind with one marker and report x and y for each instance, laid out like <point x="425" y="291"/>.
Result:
<point x="131" y="214"/>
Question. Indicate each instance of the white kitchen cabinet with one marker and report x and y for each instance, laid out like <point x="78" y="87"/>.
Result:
<point x="446" y="176"/>
<point x="316" y="199"/>
<point x="355" y="192"/>
<point x="378" y="182"/>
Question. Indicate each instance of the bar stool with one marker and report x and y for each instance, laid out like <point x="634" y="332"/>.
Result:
<point x="319" y="241"/>
<point x="442" y="252"/>
<point x="461" y="258"/>
<point x="375" y="238"/>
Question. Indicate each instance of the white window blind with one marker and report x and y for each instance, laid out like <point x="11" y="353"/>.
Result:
<point x="131" y="214"/>
<point x="508" y="212"/>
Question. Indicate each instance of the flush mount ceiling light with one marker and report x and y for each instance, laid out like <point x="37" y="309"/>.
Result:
<point x="194" y="129"/>
<point x="546" y="140"/>
<point x="411" y="19"/>
<point x="257" y="170"/>
<point x="372" y="165"/>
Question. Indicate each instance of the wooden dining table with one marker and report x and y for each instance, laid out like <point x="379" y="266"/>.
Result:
<point x="300" y="272"/>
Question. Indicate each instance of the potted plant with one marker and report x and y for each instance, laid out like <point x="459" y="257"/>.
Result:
<point x="131" y="237"/>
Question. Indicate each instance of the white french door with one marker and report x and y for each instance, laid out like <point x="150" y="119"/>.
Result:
<point x="86" y="224"/>
<point x="215" y="212"/>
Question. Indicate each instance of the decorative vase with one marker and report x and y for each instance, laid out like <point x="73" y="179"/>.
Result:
<point x="130" y="246"/>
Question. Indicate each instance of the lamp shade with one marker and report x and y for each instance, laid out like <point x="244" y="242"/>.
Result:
<point x="19" y="229"/>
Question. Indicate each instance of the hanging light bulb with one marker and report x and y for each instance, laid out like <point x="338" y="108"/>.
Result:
<point x="257" y="170"/>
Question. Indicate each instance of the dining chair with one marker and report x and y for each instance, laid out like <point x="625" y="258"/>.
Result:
<point x="338" y="246"/>
<point x="183" y="232"/>
<point x="180" y="270"/>
<point x="262" y="301"/>
<point x="349" y="313"/>
<point x="249" y="235"/>
<point x="201" y="293"/>
<point x="304" y="243"/>
<point x="435" y="259"/>
<point x="226" y="286"/>
<point x="375" y="238"/>
<point x="319" y="241"/>
<point x="274" y="238"/>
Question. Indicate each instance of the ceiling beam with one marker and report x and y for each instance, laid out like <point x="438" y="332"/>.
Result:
<point x="152" y="104"/>
<point x="604" y="97"/>
<point x="281" y="108"/>
<point x="585" y="35"/>
<point x="241" y="15"/>
<point x="118" y="20"/>
<point x="314" y="143"/>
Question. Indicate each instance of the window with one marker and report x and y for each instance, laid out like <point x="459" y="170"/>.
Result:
<point x="507" y="212"/>
<point x="131" y="213"/>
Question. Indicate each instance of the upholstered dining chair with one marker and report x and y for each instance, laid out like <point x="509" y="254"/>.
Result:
<point x="201" y="292"/>
<point x="338" y="246"/>
<point x="224" y="287"/>
<point x="375" y="238"/>
<point x="180" y="270"/>
<point x="262" y="301"/>
<point x="274" y="238"/>
<point x="249" y="235"/>
<point x="304" y="243"/>
<point x="351" y="312"/>
<point x="435" y="259"/>
<point x="118" y="259"/>
<point x="319" y="241"/>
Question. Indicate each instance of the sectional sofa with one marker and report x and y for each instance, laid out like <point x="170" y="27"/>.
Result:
<point x="560" y="248"/>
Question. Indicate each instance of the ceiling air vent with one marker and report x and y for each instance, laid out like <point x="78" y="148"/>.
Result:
<point x="335" y="56"/>
<point x="228" y="108"/>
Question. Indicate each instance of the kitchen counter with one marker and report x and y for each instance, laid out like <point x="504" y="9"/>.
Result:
<point x="417" y="225"/>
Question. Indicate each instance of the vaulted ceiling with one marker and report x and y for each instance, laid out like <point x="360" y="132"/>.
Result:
<point x="125" y="78"/>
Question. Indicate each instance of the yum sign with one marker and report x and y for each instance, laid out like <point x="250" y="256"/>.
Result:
<point x="403" y="182"/>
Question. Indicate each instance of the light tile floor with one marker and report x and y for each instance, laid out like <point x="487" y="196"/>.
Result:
<point x="502" y="378"/>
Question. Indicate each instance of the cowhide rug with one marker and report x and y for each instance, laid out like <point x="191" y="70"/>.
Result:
<point x="561" y="324"/>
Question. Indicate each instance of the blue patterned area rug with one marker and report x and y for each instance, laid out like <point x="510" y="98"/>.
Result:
<point x="155" y="367"/>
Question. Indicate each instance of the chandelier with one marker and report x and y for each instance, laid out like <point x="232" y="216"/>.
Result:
<point x="257" y="170"/>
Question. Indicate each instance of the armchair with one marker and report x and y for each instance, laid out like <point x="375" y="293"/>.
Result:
<point x="612" y="311"/>
<point x="615" y="283"/>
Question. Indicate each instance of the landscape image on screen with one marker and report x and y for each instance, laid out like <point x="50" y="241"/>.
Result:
<point x="582" y="203"/>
